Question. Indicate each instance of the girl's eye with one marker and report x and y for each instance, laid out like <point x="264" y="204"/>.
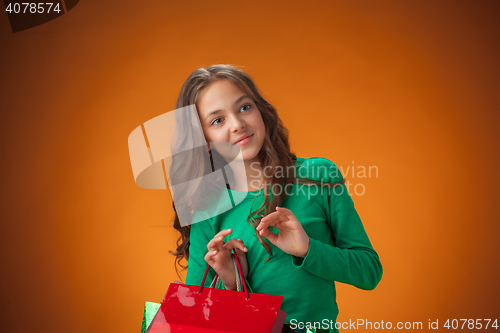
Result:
<point x="245" y="107"/>
<point x="216" y="121"/>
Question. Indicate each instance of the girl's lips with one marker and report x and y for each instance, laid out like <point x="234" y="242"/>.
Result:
<point x="244" y="141"/>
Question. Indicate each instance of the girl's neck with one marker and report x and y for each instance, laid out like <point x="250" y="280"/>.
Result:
<point x="251" y="180"/>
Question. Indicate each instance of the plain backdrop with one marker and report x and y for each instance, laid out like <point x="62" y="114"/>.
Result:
<point x="410" y="87"/>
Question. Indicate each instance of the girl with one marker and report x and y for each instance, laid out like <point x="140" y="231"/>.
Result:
<point x="294" y="228"/>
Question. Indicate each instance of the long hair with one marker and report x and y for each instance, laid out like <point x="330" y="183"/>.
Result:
<point x="275" y="154"/>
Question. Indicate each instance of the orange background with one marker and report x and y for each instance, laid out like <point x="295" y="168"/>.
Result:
<point x="408" y="86"/>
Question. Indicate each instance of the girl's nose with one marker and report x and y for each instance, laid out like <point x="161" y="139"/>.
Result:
<point x="237" y="123"/>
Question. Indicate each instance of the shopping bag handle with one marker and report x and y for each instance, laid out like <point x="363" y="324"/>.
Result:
<point x="239" y="271"/>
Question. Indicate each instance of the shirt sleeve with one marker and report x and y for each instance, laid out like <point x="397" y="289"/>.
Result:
<point x="201" y="234"/>
<point x="352" y="259"/>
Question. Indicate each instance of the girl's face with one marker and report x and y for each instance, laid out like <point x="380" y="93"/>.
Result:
<point x="227" y="114"/>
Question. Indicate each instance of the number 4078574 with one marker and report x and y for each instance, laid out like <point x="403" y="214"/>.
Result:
<point x="470" y="324"/>
<point x="32" y="7"/>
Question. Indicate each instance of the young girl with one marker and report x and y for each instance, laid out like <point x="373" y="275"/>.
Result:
<point x="293" y="224"/>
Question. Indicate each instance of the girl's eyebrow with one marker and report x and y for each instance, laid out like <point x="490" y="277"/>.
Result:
<point x="217" y="111"/>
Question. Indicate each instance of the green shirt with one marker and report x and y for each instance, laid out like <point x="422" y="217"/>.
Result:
<point x="339" y="247"/>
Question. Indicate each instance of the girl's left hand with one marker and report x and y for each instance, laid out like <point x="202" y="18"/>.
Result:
<point x="292" y="238"/>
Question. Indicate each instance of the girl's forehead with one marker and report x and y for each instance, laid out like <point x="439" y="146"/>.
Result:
<point x="220" y="94"/>
<point x="220" y="88"/>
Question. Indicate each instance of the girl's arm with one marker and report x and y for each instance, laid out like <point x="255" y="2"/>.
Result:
<point x="201" y="234"/>
<point x="352" y="260"/>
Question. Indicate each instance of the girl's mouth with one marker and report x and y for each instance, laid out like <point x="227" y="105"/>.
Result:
<point x="244" y="141"/>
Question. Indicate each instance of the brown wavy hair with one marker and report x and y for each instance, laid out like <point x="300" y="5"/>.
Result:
<point x="274" y="155"/>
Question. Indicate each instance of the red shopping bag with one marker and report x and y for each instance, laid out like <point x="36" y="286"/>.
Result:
<point x="205" y="310"/>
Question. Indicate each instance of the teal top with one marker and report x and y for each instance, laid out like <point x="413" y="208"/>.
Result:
<point x="339" y="247"/>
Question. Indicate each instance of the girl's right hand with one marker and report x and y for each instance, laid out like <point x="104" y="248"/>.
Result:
<point x="219" y="258"/>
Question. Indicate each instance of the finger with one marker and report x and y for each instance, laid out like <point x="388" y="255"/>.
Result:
<point x="241" y="255"/>
<point x="285" y="211"/>
<point x="266" y="220"/>
<point x="279" y="215"/>
<point x="234" y="243"/>
<point x="270" y="222"/>
<point x="288" y="216"/>
<point x="209" y="257"/>
<point x="272" y="237"/>
<point x="270" y="216"/>
<point x="215" y="244"/>
<point x="224" y="233"/>
<point x="279" y="210"/>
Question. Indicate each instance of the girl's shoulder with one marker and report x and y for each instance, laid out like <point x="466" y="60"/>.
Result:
<point x="318" y="169"/>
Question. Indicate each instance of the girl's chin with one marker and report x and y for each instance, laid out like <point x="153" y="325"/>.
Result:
<point x="248" y="155"/>
<point x="251" y="159"/>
